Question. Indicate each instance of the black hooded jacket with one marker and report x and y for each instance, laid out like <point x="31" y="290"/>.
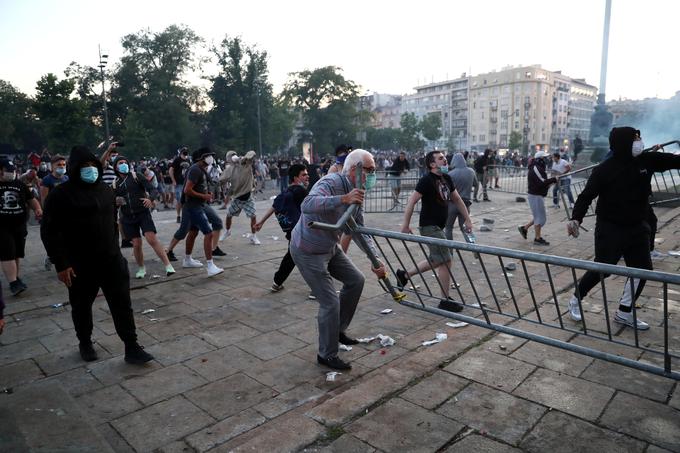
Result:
<point x="537" y="178"/>
<point x="79" y="227"/>
<point x="622" y="182"/>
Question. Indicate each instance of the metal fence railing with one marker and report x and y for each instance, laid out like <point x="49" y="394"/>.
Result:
<point x="510" y="179"/>
<point x="391" y="193"/>
<point x="536" y="292"/>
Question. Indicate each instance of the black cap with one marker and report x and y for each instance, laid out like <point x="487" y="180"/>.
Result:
<point x="7" y="165"/>
<point x="202" y="153"/>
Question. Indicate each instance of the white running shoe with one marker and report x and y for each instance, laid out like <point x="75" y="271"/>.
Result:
<point x="254" y="240"/>
<point x="190" y="262"/>
<point x="224" y="234"/>
<point x="276" y="288"/>
<point x="627" y="320"/>
<point x="574" y="310"/>
<point x="214" y="270"/>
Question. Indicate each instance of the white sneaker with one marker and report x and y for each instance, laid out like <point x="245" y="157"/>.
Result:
<point x="311" y="296"/>
<point x="574" y="310"/>
<point x="224" y="234"/>
<point x="654" y="254"/>
<point x="627" y="320"/>
<point x="214" y="270"/>
<point x="254" y="240"/>
<point x="190" y="262"/>
<point x="276" y="288"/>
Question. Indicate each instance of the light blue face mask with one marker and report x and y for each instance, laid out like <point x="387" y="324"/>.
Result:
<point x="124" y="169"/>
<point x="370" y="180"/>
<point x="61" y="171"/>
<point x="89" y="174"/>
<point x="444" y="168"/>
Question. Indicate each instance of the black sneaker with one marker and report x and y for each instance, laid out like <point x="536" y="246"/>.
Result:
<point x="179" y="219"/>
<point x="218" y="252"/>
<point x="334" y="362"/>
<point x="23" y="285"/>
<point x="16" y="288"/>
<point x="87" y="352"/>
<point x="125" y="244"/>
<point x="449" y="305"/>
<point x="541" y="241"/>
<point x="522" y="231"/>
<point x="136" y="355"/>
<point x="171" y="255"/>
<point x="486" y="199"/>
<point x="402" y="279"/>
<point x="348" y="341"/>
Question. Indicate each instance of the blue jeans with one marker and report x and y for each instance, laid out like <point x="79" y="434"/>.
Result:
<point x="283" y="183"/>
<point x="565" y="186"/>
<point x="187" y="222"/>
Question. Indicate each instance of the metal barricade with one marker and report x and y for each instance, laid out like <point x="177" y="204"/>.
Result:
<point x="511" y="179"/>
<point x="391" y="193"/>
<point x="518" y="298"/>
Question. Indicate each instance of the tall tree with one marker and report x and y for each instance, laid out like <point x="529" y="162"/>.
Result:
<point x="63" y="117"/>
<point x="327" y="102"/>
<point x="431" y="127"/>
<point x="150" y="81"/>
<point x="239" y="91"/>
<point x="18" y="127"/>
<point x="410" y="132"/>
<point x="515" y="141"/>
<point x="383" y="139"/>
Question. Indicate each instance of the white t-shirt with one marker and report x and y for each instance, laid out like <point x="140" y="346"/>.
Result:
<point x="560" y="167"/>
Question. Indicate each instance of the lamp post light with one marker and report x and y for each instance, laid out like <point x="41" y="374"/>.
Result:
<point x="102" y="64"/>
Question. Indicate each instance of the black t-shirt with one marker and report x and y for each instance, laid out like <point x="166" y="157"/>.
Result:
<point x="399" y="166"/>
<point x="180" y="167"/>
<point x="283" y="168"/>
<point x="14" y="196"/>
<point x="200" y="179"/>
<point x="436" y="191"/>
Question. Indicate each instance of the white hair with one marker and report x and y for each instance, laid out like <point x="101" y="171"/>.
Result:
<point x="353" y="158"/>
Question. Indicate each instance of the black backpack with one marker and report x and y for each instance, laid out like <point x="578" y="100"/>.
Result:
<point x="286" y="211"/>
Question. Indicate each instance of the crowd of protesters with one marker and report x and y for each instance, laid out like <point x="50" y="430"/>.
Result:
<point x="94" y="206"/>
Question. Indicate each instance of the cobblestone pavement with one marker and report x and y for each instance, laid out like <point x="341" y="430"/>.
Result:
<point x="235" y="366"/>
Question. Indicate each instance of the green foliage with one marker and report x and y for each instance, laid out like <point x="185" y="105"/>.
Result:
<point x="515" y="141"/>
<point x="431" y="126"/>
<point x="327" y="103"/>
<point x="18" y="127"/>
<point x="62" y="117"/>
<point x="383" y="139"/>
<point x="410" y="132"/>
<point x="598" y="154"/>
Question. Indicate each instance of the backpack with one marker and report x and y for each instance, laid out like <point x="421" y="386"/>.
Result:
<point x="286" y="211"/>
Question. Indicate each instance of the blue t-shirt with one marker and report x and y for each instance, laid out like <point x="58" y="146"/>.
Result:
<point x="51" y="182"/>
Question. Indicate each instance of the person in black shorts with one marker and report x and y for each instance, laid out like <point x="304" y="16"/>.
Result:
<point x="15" y="199"/>
<point x="134" y="196"/>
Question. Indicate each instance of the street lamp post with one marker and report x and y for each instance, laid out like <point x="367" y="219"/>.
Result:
<point x="102" y="64"/>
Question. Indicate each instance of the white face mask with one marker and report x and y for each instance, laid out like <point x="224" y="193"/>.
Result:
<point x="235" y="159"/>
<point x="209" y="160"/>
<point x="638" y="146"/>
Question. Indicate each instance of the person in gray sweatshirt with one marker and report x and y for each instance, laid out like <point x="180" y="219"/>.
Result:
<point x="464" y="178"/>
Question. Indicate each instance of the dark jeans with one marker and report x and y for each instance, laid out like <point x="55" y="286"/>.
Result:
<point x="565" y="186"/>
<point x="613" y="242"/>
<point x="113" y="277"/>
<point x="286" y="267"/>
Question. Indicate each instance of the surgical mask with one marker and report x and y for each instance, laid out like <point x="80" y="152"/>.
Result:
<point x="8" y="176"/>
<point x="444" y="168"/>
<point x="124" y="168"/>
<point x="370" y="180"/>
<point x="340" y="159"/>
<point x="235" y="159"/>
<point x="89" y="174"/>
<point x="209" y="160"/>
<point x="61" y="171"/>
<point x="638" y="146"/>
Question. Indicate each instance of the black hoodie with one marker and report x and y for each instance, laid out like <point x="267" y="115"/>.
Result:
<point x="79" y="227"/>
<point x="622" y="182"/>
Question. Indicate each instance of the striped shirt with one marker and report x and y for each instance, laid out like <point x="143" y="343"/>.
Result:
<point x="323" y="204"/>
<point x="108" y="175"/>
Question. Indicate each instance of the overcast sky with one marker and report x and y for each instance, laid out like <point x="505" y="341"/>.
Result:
<point x="384" y="46"/>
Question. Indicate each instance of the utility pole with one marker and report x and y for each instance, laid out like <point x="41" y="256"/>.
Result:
<point x="102" y="64"/>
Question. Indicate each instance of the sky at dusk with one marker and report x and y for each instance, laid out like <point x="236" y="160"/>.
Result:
<point x="384" y="46"/>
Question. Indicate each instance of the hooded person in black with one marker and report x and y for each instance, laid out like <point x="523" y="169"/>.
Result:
<point x="80" y="233"/>
<point x="622" y="186"/>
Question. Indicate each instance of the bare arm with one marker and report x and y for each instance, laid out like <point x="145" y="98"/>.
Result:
<point x="408" y="211"/>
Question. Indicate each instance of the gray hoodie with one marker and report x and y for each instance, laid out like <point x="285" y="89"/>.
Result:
<point x="463" y="177"/>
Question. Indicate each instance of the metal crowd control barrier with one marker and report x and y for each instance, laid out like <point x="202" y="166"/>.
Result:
<point x="518" y="298"/>
<point x="511" y="179"/>
<point x="391" y="193"/>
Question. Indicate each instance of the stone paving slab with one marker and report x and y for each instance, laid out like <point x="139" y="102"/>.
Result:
<point x="561" y="433"/>
<point x="434" y="390"/>
<point x="399" y="425"/>
<point x="479" y="444"/>
<point x="491" y="369"/>
<point x="493" y="412"/>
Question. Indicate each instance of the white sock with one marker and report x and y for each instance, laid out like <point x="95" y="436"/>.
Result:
<point x="188" y="257"/>
<point x="210" y="262"/>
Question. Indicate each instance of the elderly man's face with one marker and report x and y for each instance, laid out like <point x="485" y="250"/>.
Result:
<point x="368" y="166"/>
